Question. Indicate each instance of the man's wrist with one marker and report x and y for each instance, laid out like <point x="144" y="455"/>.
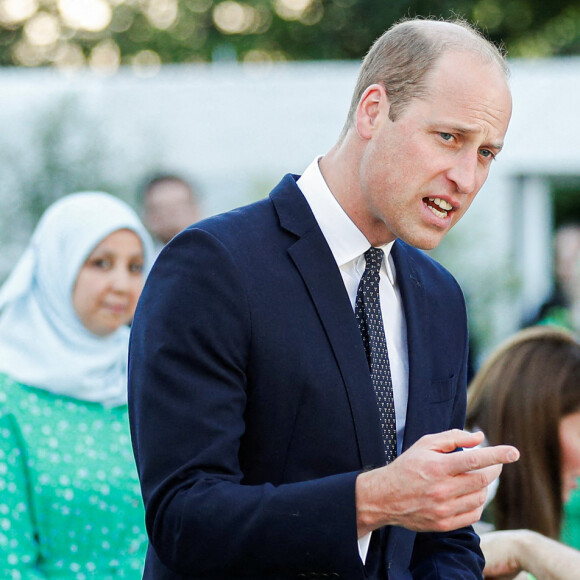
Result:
<point x="370" y="512"/>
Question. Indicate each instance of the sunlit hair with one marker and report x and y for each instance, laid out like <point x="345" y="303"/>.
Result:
<point x="518" y="397"/>
<point x="402" y="57"/>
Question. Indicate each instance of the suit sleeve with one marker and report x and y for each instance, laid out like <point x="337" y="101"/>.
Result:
<point x="191" y="342"/>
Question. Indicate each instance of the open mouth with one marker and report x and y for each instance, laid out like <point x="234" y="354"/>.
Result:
<point x="439" y="207"/>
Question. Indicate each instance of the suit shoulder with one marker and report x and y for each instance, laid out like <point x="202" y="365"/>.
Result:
<point x="285" y="212"/>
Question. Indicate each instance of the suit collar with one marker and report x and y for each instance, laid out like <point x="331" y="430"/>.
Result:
<point x="291" y="206"/>
<point x="346" y="241"/>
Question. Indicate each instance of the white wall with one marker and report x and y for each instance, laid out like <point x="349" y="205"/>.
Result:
<point x="238" y="129"/>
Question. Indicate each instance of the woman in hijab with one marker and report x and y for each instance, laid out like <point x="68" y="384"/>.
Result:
<point x="70" y="505"/>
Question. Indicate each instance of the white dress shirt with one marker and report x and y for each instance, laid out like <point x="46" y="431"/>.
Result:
<point x="348" y="245"/>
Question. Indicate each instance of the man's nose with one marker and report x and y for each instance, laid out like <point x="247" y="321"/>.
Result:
<point x="464" y="172"/>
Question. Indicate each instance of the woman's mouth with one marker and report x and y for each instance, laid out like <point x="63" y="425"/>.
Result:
<point x="117" y="309"/>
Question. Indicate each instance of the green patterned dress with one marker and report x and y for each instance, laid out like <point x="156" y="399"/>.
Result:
<point x="70" y="504"/>
<point x="571" y="521"/>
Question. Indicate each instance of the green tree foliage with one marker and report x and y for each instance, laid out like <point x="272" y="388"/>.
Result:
<point x="146" y="33"/>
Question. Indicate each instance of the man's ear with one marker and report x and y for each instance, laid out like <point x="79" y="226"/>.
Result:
<point x="373" y="103"/>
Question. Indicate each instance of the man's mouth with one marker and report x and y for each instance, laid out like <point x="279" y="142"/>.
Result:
<point x="438" y="206"/>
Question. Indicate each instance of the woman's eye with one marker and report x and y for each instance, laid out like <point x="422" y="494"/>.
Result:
<point x="136" y="268"/>
<point x="102" y="263"/>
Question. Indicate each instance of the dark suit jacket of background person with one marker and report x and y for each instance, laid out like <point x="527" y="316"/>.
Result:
<point x="252" y="408"/>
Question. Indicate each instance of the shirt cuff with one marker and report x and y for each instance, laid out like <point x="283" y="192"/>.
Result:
<point x="363" y="546"/>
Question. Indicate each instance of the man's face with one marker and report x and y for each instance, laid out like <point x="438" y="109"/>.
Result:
<point x="420" y="173"/>
<point x="168" y="209"/>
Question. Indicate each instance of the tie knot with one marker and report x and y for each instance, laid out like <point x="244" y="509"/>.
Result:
<point x="374" y="258"/>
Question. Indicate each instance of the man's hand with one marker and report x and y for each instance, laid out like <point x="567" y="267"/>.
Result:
<point x="428" y="488"/>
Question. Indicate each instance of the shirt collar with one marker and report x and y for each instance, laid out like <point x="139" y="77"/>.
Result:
<point x="345" y="240"/>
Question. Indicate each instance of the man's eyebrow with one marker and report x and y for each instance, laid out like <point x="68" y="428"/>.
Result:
<point x="498" y="146"/>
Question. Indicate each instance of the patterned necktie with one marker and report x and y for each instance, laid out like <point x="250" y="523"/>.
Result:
<point x="370" y="323"/>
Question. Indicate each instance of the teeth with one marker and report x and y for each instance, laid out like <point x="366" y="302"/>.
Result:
<point x="441" y="203"/>
<point x="440" y="214"/>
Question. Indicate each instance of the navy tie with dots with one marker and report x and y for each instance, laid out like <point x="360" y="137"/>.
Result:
<point x="370" y="323"/>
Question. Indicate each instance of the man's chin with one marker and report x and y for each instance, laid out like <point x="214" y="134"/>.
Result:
<point x="425" y="243"/>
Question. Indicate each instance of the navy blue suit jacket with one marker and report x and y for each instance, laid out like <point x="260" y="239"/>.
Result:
<point x="252" y="410"/>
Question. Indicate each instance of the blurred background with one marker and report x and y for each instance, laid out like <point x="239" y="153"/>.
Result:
<point x="99" y="94"/>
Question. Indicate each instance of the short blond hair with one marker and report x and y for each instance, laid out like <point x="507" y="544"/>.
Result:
<point x="402" y="57"/>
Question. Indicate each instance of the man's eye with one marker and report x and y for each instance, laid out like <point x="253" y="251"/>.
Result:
<point x="487" y="153"/>
<point x="446" y="136"/>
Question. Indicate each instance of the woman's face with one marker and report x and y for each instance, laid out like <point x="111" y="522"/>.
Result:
<point x="570" y="449"/>
<point x="109" y="283"/>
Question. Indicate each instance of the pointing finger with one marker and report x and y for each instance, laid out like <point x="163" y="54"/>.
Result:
<point x="484" y="457"/>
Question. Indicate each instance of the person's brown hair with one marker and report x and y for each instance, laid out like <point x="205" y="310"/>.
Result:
<point x="518" y="397"/>
<point x="403" y="56"/>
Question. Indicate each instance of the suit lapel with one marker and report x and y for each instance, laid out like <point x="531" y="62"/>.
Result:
<point x="315" y="262"/>
<point x="417" y="317"/>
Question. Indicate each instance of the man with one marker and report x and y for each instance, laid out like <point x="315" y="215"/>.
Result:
<point x="170" y="205"/>
<point x="262" y="406"/>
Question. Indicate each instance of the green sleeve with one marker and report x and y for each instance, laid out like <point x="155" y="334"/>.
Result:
<point x="571" y="522"/>
<point x="18" y="549"/>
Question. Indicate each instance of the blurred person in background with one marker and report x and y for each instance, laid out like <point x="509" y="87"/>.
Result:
<point x="562" y="307"/>
<point x="170" y="204"/>
<point x="527" y="394"/>
<point x="70" y="505"/>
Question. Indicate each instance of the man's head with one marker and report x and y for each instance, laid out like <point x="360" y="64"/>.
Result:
<point x="170" y="205"/>
<point x="406" y="53"/>
<point x="427" y="120"/>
